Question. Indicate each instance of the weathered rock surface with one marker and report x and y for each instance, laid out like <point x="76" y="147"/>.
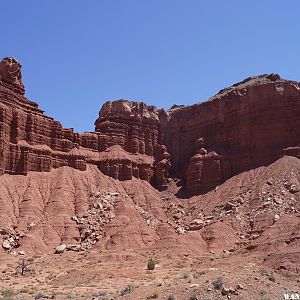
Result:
<point x="92" y="189"/>
<point x="204" y="171"/>
<point x="248" y="125"/>
<point x="11" y="75"/>
<point x="31" y="141"/>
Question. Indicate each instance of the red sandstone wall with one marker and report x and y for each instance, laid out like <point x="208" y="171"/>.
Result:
<point x="248" y="125"/>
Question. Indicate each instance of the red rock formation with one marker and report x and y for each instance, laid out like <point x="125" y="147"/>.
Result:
<point x="104" y="203"/>
<point x="11" y="76"/>
<point x="31" y="141"/>
<point x="248" y="125"/>
<point x="132" y="125"/>
<point x="204" y="170"/>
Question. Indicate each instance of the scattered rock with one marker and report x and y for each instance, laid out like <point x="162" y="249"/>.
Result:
<point x="240" y="286"/>
<point x="278" y="200"/>
<point x="225" y="291"/>
<point x="61" y="248"/>
<point x="276" y="217"/>
<point x="6" y="245"/>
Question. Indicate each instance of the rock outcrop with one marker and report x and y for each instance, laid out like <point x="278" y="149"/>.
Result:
<point x="11" y="75"/>
<point x="123" y="146"/>
<point x="132" y="125"/>
<point x="204" y="171"/>
<point x="104" y="189"/>
<point x="250" y="124"/>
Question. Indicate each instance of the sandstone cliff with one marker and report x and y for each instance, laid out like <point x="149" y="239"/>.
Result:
<point x="115" y="188"/>
<point x="247" y="125"/>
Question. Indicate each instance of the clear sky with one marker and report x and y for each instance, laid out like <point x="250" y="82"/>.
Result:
<point x="78" y="54"/>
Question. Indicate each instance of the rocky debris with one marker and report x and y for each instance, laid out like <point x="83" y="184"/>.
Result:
<point x="276" y="217"/>
<point x="152" y="222"/>
<point x="196" y="224"/>
<point x="177" y="213"/>
<point x="229" y="291"/>
<point x="91" y="224"/>
<point x="6" y="245"/>
<point x="11" y="237"/>
<point x="73" y="247"/>
<point x="180" y="230"/>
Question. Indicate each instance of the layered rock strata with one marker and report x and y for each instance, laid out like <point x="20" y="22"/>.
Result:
<point x="250" y="124"/>
<point x="123" y="145"/>
<point x="247" y="125"/>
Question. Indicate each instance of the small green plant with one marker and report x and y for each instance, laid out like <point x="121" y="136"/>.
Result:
<point x="270" y="276"/>
<point x="71" y="270"/>
<point x="127" y="289"/>
<point x="8" y="293"/>
<point x="171" y="297"/>
<point x="218" y="283"/>
<point x="193" y="297"/>
<point x="40" y="295"/>
<point x="151" y="264"/>
<point x="23" y="290"/>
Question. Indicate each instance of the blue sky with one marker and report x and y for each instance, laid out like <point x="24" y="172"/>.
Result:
<point x="78" y="54"/>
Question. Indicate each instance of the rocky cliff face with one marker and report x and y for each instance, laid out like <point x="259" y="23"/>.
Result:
<point x="93" y="189"/>
<point x="244" y="126"/>
<point x="31" y="141"/>
<point x="250" y="124"/>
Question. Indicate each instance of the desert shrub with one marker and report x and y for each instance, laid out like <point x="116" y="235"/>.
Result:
<point x="23" y="290"/>
<point x="193" y="297"/>
<point x="151" y="264"/>
<point x="270" y="276"/>
<point x="171" y="297"/>
<point x="201" y="272"/>
<point x="218" y="283"/>
<point x="127" y="289"/>
<point x="23" y="266"/>
<point x="8" y="293"/>
<point x="40" y="295"/>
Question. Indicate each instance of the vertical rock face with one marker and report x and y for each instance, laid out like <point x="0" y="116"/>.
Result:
<point x="132" y="125"/>
<point x="250" y="124"/>
<point x="247" y="125"/>
<point x="124" y="145"/>
<point x="135" y="127"/>
<point x="204" y="170"/>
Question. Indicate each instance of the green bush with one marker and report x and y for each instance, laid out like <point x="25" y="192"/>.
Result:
<point x="8" y="293"/>
<point x="127" y="289"/>
<point x="151" y="264"/>
<point x="218" y="283"/>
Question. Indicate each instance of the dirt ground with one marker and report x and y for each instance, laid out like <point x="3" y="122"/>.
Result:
<point x="115" y="275"/>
